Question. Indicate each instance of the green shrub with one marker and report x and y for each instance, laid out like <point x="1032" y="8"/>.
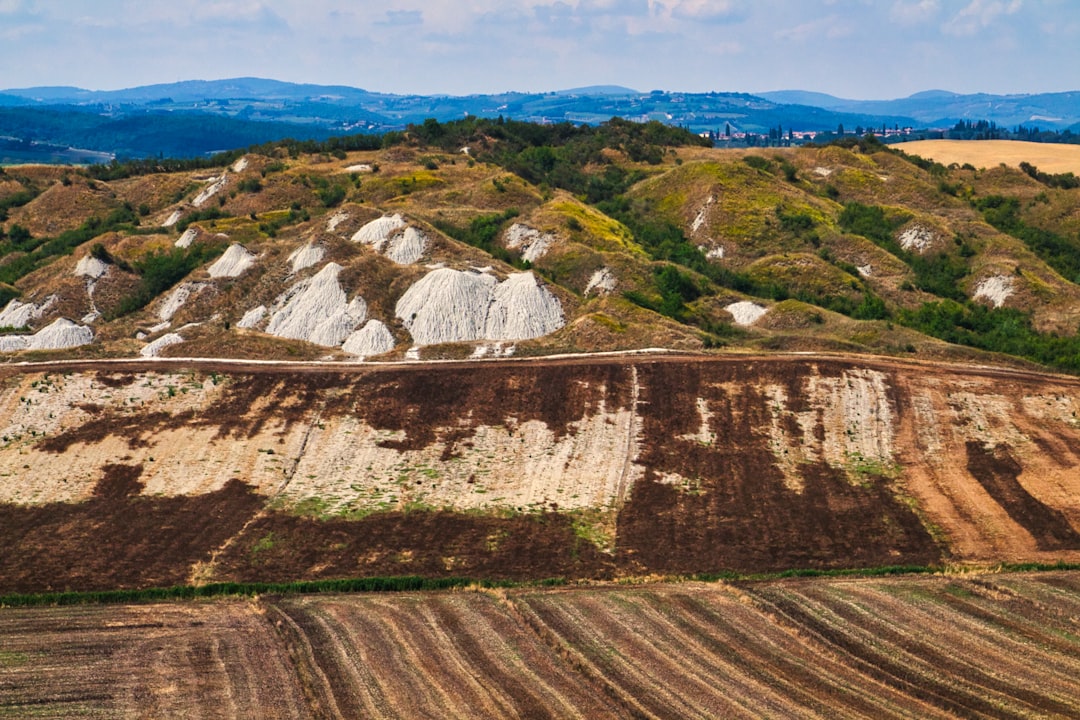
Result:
<point x="211" y="213"/>
<point x="757" y="162"/>
<point x="249" y="185"/>
<point x="1057" y="251"/>
<point x="159" y="271"/>
<point x="332" y="196"/>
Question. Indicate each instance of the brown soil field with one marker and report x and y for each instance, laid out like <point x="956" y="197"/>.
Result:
<point x="192" y="660"/>
<point x="1048" y="157"/>
<point x="978" y="645"/>
<point x="147" y="474"/>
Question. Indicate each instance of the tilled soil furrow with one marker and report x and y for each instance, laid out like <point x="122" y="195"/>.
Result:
<point x="802" y="671"/>
<point x="621" y="650"/>
<point x="352" y="690"/>
<point x="669" y="637"/>
<point x="1012" y="656"/>
<point x="877" y="659"/>
<point x="948" y="652"/>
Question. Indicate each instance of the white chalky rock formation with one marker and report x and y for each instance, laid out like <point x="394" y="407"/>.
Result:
<point x="90" y="267"/>
<point x="378" y="231"/>
<point x="317" y="310"/>
<point x="495" y="351"/>
<point x="173" y="218"/>
<point x="154" y="349"/>
<point x="702" y="215"/>
<point x="216" y="185"/>
<point x="455" y="306"/>
<point x="394" y="238"/>
<point x="996" y="289"/>
<point x="447" y="306"/>
<point x="336" y="219"/>
<point x="407" y="247"/>
<point x="62" y="333"/>
<point x="745" y="312"/>
<point x="306" y="256"/>
<point x="522" y="309"/>
<point x="602" y="282"/>
<point x="372" y="339"/>
<point x="532" y="243"/>
<point x="176" y="299"/>
<point x="19" y="314"/>
<point x="236" y="260"/>
<point x="252" y="317"/>
<point x="186" y="238"/>
<point x="916" y="238"/>
<point x="14" y="343"/>
<point x="240" y="165"/>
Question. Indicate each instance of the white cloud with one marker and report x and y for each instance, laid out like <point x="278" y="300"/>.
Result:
<point x="830" y="27"/>
<point x="709" y="11"/>
<point x="403" y="17"/>
<point x="980" y="14"/>
<point x="845" y="47"/>
<point x="913" y="12"/>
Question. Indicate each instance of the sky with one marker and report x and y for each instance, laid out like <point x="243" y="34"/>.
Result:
<point x="860" y="49"/>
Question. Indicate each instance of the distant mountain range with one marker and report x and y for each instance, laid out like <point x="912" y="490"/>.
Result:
<point x="170" y="119"/>
<point x="940" y="108"/>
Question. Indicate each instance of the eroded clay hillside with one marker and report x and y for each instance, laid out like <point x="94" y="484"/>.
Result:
<point x="489" y="240"/>
<point x="154" y="474"/>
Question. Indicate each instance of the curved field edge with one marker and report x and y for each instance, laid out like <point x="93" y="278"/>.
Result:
<point x="970" y="644"/>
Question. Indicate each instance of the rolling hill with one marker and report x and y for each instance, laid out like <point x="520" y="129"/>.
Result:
<point x="512" y="353"/>
<point x="516" y="249"/>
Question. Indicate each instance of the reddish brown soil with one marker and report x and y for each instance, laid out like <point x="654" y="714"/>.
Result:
<point x="998" y="472"/>
<point x="190" y="660"/>
<point x="431" y="656"/>
<point x="979" y="645"/>
<point x="118" y="539"/>
<point x="744" y="518"/>
<point x="417" y="543"/>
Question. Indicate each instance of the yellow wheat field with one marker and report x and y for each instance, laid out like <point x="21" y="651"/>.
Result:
<point x="1048" y="157"/>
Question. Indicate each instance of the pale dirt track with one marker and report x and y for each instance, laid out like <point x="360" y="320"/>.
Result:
<point x="207" y="365"/>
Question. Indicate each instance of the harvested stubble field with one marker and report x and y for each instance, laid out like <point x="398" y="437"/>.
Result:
<point x="1005" y="645"/>
<point x="1048" y="157"/>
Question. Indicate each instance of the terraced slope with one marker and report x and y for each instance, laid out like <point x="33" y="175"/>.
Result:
<point x="932" y="647"/>
<point x="143" y="476"/>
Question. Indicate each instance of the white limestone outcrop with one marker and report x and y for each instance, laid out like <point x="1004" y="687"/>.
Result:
<point x="459" y="306"/>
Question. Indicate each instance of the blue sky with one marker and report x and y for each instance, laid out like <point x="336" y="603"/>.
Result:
<point x="865" y="49"/>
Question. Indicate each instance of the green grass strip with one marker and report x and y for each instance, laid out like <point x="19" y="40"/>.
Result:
<point x="236" y="589"/>
<point x="410" y="583"/>
<point x="882" y="571"/>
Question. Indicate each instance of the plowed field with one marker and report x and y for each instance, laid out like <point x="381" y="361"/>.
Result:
<point x="927" y="647"/>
